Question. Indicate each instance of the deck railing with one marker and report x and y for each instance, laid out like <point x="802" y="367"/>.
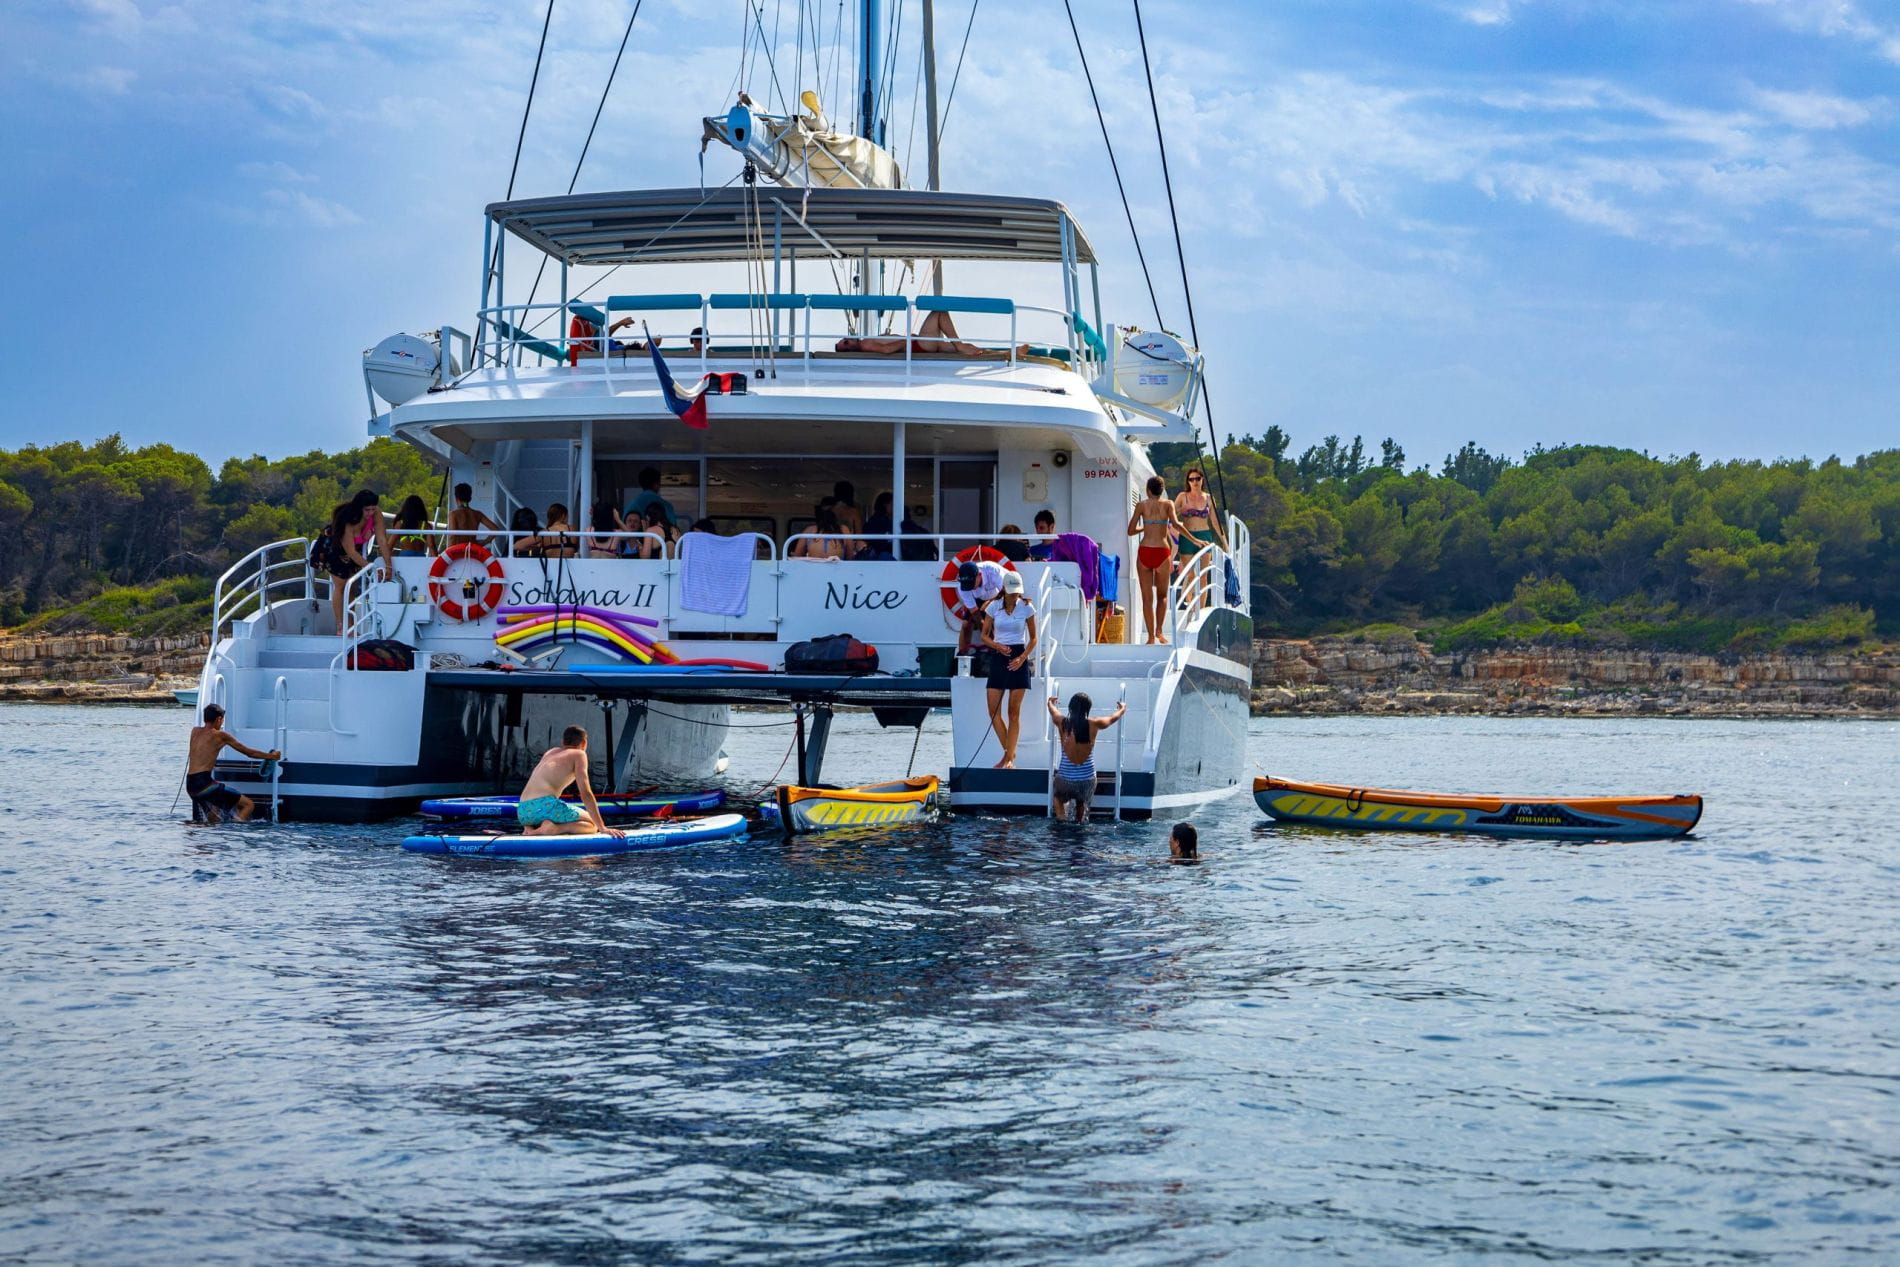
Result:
<point x="265" y="575"/>
<point x="793" y="328"/>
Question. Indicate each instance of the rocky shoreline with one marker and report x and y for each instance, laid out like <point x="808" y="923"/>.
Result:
<point x="1334" y="676"/>
<point x="1292" y="677"/>
<point x="98" y="668"/>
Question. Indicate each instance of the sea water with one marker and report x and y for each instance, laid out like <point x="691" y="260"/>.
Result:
<point x="980" y="1040"/>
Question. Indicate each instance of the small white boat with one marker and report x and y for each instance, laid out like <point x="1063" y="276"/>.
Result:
<point x="188" y="698"/>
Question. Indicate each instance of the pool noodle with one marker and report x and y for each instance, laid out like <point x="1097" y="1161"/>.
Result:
<point x="561" y="609"/>
<point x="570" y="621"/>
<point x="551" y="629"/>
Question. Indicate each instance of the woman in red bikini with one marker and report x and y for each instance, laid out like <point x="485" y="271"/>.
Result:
<point x="1155" y="522"/>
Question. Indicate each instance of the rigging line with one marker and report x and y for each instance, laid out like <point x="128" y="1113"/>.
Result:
<point x="529" y="103"/>
<point x="745" y="41"/>
<point x="950" y="98"/>
<point x="1114" y="166"/>
<point x="887" y="87"/>
<point x="490" y="264"/>
<point x="588" y="143"/>
<point x="1187" y="291"/>
<point x="771" y="62"/>
<point x="635" y="257"/>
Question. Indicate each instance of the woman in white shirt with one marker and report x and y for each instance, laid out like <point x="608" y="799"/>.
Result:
<point x="1009" y="631"/>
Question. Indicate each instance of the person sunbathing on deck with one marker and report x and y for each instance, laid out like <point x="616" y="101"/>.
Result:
<point x="937" y="334"/>
<point x="540" y="809"/>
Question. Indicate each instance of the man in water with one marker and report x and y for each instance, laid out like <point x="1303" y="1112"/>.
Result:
<point x="1075" y="774"/>
<point x="542" y="812"/>
<point x="210" y="799"/>
<point x="1184" y="844"/>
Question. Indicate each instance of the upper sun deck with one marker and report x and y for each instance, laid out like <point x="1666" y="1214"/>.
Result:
<point x="816" y="355"/>
<point x="725" y="225"/>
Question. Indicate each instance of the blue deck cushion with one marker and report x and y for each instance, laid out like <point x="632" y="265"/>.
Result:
<point x="861" y="303"/>
<point x="516" y="335"/>
<point x="587" y="312"/>
<point x="651" y="303"/>
<point x="965" y="303"/>
<point x="758" y="301"/>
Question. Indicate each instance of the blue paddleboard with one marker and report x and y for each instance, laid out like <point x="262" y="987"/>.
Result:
<point x="612" y="805"/>
<point x="668" y="834"/>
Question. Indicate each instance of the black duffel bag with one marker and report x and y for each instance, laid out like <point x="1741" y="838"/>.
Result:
<point x="839" y="653"/>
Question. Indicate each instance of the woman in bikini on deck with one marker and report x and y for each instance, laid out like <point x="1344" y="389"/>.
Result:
<point x="1155" y="522"/>
<point x="1197" y="511"/>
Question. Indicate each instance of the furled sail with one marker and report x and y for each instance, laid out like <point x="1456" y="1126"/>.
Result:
<point x="802" y="150"/>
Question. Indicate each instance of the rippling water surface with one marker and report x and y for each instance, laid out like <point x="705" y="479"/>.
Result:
<point x="985" y="1040"/>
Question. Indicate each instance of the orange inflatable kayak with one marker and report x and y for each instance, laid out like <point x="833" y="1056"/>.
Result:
<point x="1554" y="817"/>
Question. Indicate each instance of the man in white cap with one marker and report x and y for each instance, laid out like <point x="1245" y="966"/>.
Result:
<point x="977" y="583"/>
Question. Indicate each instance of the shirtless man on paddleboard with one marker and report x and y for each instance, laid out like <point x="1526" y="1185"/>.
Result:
<point x="541" y="810"/>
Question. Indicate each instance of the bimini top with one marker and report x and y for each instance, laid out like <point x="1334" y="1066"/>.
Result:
<point x="661" y="226"/>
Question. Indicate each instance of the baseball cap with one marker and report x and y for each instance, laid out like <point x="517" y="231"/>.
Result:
<point x="967" y="576"/>
<point x="1012" y="583"/>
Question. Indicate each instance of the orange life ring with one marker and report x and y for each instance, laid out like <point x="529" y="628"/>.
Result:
<point x="475" y="608"/>
<point x="975" y="554"/>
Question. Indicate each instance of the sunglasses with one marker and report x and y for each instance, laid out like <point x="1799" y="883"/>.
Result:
<point x="1194" y="479"/>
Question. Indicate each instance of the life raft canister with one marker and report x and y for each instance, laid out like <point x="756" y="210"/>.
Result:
<point x="469" y="607"/>
<point x="975" y="554"/>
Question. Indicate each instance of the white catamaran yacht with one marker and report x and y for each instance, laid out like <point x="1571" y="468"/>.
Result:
<point x="651" y="642"/>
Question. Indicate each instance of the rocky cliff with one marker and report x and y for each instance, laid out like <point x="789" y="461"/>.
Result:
<point x="1340" y="675"/>
<point x="98" y="668"/>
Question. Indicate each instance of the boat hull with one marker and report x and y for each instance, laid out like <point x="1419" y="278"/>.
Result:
<point x="812" y="809"/>
<point x="1536" y="817"/>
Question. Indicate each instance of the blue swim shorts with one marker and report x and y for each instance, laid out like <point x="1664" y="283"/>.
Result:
<point x="546" y="809"/>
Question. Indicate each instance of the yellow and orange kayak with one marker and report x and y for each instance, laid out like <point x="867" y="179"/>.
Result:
<point x="1553" y="817"/>
<point x="803" y="809"/>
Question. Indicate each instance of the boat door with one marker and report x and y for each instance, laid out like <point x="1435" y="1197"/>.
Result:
<point x="966" y="500"/>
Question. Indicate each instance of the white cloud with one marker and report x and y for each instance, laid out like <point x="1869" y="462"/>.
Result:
<point x="318" y="213"/>
<point x="278" y="207"/>
<point x="1814" y="110"/>
<point x="121" y="17"/>
<point x="1488" y="12"/>
<point x="275" y="172"/>
<point x="105" y="81"/>
<point x="1841" y="19"/>
<point x="288" y="102"/>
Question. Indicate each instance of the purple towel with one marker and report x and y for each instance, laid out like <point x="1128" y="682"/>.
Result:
<point x="1073" y="547"/>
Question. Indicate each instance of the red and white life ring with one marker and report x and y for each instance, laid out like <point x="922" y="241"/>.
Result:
<point x="975" y="554"/>
<point x="475" y="608"/>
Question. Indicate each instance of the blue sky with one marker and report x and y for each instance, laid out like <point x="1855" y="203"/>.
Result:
<point x="1666" y="224"/>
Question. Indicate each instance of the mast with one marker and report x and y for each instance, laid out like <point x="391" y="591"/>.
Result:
<point x="930" y="120"/>
<point x="870" y="38"/>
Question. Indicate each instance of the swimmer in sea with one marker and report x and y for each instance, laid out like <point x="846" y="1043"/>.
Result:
<point x="1184" y="845"/>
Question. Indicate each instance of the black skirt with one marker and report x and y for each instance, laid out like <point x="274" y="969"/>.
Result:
<point x="1004" y="678"/>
